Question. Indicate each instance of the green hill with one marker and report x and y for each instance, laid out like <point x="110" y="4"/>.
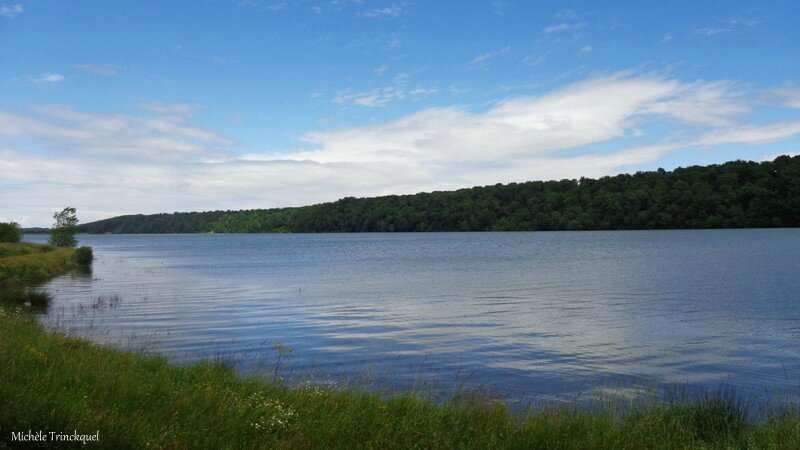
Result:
<point x="738" y="194"/>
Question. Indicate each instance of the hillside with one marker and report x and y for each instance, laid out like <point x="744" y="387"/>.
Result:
<point x="736" y="194"/>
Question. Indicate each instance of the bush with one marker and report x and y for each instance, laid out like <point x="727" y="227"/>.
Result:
<point x="84" y="256"/>
<point x="10" y="232"/>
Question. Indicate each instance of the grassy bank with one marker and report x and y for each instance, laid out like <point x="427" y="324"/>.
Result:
<point x="27" y="264"/>
<point x="53" y="382"/>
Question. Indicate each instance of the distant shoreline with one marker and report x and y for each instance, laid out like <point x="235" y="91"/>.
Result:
<point x="737" y="194"/>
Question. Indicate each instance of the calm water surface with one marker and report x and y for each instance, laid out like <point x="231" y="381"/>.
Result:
<point x="526" y="315"/>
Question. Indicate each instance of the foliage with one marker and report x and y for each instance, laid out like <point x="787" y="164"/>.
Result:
<point x="737" y="194"/>
<point x="84" y="256"/>
<point x="138" y="401"/>
<point x="10" y="232"/>
<point x="64" y="230"/>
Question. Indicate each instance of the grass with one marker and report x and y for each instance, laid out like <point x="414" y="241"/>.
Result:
<point x="53" y="382"/>
<point x="26" y="264"/>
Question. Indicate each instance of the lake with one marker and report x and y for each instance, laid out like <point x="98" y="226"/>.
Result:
<point x="525" y="316"/>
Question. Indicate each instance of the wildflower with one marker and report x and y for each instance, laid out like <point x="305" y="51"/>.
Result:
<point x="267" y="414"/>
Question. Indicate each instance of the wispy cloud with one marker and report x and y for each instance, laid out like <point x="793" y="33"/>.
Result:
<point x="388" y="11"/>
<point x="48" y="78"/>
<point x="10" y="10"/>
<point x="787" y="95"/>
<point x="159" y="161"/>
<point x="727" y="26"/>
<point x="535" y="59"/>
<point x="382" y="96"/>
<point x="712" y="31"/>
<point x="178" y="111"/>
<point x="566" y="14"/>
<point x="751" y="134"/>
<point x="585" y="50"/>
<point x="487" y="56"/>
<point x="562" y="27"/>
<point x="742" y="21"/>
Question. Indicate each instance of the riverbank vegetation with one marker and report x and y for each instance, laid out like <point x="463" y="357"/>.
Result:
<point x="54" y="382"/>
<point x="736" y="194"/>
<point x="27" y="264"/>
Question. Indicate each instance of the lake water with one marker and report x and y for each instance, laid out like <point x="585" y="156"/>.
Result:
<point x="528" y="316"/>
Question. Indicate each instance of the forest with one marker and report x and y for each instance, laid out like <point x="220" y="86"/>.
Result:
<point x="737" y="194"/>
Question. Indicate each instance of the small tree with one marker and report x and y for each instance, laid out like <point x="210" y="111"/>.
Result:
<point x="63" y="232"/>
<point x="10" y="232"/>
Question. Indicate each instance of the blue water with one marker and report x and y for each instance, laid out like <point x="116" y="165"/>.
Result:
<point x="525" y="315"/>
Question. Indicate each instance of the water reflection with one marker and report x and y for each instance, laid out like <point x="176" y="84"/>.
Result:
<point x="528" y="314"/>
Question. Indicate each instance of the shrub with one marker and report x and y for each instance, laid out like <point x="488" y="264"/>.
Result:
<point x="10" y="232"/>
<point x="84" y="256"/>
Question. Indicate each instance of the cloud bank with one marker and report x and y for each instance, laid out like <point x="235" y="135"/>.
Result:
<point x="156" y="160"/>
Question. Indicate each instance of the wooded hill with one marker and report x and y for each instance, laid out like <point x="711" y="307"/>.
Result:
<point x="736" y="194"/>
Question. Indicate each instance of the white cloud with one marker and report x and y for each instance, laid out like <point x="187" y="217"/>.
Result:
<point x="712" y="31"/>
<point x="487" y="56"/>
<point x="592" y="111"/>
<point x="727" y="26"/>
<point x="566" y="14"/>
<point x="108" y="164"/>
<point x="563" y="27"/>
<point x="178" y="110"/>
<point x="49" y="78"/>
<point x="535" y="59"/>
<point x="383" y="96"/>
<point x="388" y="11"/>
<point x="585" y="50"/>
<point x="751" y="134"/>
<point x="68" y="131"/>
<point x="11" y="10"/>
<point x="701" y="103"/>
<point x="787" y="95"/>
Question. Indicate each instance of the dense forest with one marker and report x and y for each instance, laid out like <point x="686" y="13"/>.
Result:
<point x="732" y="195"/>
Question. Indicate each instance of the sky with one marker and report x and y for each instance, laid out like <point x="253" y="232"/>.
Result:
<point x="142" y="106"/>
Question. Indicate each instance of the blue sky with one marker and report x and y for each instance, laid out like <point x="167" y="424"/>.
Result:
<point x="129" y="107"/>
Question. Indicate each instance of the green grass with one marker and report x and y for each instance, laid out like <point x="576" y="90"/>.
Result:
<point x="52" y="382"/>
<point x="26" y="264"/>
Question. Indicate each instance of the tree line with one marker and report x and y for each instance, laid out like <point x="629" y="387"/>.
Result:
<point x="737" y="194"/>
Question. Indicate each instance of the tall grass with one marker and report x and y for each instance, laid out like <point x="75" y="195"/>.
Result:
<point x="53" y="382"/>
<point x="25" y="264"/>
